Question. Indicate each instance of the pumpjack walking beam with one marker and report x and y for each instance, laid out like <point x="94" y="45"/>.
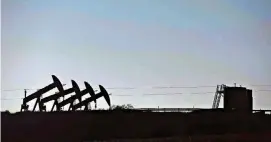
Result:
<point x="78" y="95"/>
<point x="103" y="93"/>
<point x="56" y="96"/>
<point x="37" y="95"/>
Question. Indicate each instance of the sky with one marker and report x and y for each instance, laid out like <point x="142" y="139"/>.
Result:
<point x="138" y="44"/>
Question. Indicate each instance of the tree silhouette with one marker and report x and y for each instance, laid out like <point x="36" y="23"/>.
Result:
<point x="122" y="107"/>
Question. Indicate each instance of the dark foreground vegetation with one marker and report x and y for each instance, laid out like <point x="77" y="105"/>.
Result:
<point x="126" y="124"/>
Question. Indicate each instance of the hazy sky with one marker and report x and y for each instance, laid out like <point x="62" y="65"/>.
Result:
<point x="137" y="43"/>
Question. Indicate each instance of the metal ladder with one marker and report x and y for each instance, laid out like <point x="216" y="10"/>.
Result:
<point x="218" y="94"/>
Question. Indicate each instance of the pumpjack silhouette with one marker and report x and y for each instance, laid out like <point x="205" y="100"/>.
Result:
<point x="61" y="93"/>
<point x="71" y="100"/>
<point x="103" y="93"/>
<point x="75" y="88"/>
<point x="38" y="94"/>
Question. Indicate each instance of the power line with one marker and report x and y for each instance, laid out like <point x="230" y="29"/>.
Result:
<point x="13" y="90"/>
<point x="181" y="93"/>
<point x="130" y="88"/>
<point x="169" y="87"/>
<point x="4" y="99"/>
<point x="134" y="95"/>
<point x="122" y="95"/>
<point x="153" y="87"/>
<point x="262" y="90"/>
<point x="11" y="99"/>
<point x="122" y="88"/>
<point x="260" y="85"/>
<point x="196" y="93"/>
<point x="158" y="94"/>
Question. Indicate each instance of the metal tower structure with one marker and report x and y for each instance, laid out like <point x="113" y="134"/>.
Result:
<point x="218" y="94"/>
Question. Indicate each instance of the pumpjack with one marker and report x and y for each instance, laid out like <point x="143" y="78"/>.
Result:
<point x="38" y="94"/>
<point x="61" y="93"/>
<point x="55" y="97"/>
<point x="102" y="93"/>
<point x="78" y="95"/>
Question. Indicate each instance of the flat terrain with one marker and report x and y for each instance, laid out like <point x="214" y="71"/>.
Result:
<point x="265" y="137"/>
<point x="86" y="126"/>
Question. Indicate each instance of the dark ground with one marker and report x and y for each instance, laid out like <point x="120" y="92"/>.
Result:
<point x="79" y="126"/>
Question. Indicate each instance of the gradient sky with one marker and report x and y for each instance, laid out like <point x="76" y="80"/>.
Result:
<point x="137" y="43"/>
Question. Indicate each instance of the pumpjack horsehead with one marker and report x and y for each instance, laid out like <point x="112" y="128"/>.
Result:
<point x="78" y="95"/>
<point x="102" y="93"/>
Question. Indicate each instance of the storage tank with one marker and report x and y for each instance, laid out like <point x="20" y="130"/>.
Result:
<point x="250" y="99"/>
<point x="237" y="99"/>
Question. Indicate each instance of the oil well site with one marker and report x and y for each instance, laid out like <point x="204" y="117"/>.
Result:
<point x="82" y="123"/>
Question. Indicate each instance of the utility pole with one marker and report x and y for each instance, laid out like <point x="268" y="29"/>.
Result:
<point x="25" y="93"/>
